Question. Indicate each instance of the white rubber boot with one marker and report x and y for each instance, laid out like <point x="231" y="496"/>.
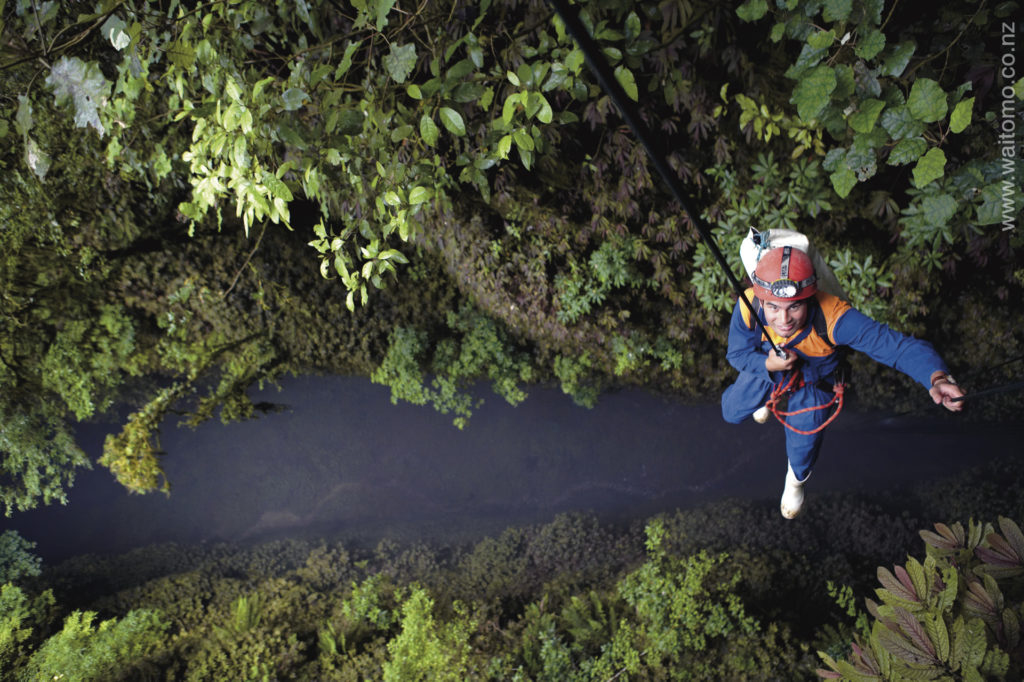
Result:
<point x="761" y="414"/>
<point x="792" y="495"/>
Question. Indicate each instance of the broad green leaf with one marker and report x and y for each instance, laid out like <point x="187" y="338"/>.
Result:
<point x="870" y="45"/>
<point x="84" y="85"/>
<point x="843" y="181"/>
<point x="907" y="150"/>
<point x="418" y="195"/>
<point x="811" y="95"/>
<point x="927" y="101"/>
<point x="452" y="120"/>
<point x="625" y="78"/>
<point x="413" y="91"/>
<point x="182" y="55"/>
<point x="897" y="60"/>
<point x="523" y="140"/>
<point x="276" y="186"/>
<point x="836" y="10"/>
<point x="428" y="130"/>
<point x="293" y="98"/>
<point x="391" y="198"/>
<point x="900" y="124"/>
<point x="508" y="109"/>
<point x="1018" y="89"/>
<point x="864" y="120"/>
<point x="400" y="61"/>
<point x="821" y="39"/>
<point x="504" y="146"/>
<point x="513" y="78"/>
<point x="990" y="211"/>
<point x="544" y="115"/>
<point x="930" y="167"/>
<point x="961" y="116"/>
<point x="752" y="10"/>
<point x="938" y="210"/>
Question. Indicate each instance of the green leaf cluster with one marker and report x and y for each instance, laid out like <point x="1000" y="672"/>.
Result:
<point x="947" y="616"/>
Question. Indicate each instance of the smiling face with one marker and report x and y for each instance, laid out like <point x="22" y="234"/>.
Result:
<point x="786" y="317"/>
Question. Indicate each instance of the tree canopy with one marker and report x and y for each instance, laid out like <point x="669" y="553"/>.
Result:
<point x="199" y="197"/>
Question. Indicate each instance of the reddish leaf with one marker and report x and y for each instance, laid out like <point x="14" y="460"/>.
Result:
<point x="828" y="674"/>
<point x="913" y="629"/>
<point x="902" y="588"/>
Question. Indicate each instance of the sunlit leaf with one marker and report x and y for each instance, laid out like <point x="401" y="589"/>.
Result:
<point x="400" y="61"/>
<point x="930" y="167"/>
<point x="452" y="120"/>
<point x="82" y="83"/>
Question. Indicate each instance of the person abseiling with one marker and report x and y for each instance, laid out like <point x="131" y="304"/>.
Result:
<point x="809" y="325"/>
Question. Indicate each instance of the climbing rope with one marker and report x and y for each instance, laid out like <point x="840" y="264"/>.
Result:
<point x="795" y="381"/>
<point x="603" y="73"/>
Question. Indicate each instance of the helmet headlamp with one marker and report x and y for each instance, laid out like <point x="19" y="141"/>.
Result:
<point x="784" y="288"/>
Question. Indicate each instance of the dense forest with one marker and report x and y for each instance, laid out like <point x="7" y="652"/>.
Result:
<point x="198" y="199"/>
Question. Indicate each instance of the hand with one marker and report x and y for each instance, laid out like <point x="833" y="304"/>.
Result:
<point x="773" y="363"/>
<point x="943" y="391"/>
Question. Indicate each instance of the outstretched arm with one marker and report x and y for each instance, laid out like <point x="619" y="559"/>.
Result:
<point x="914" y="357"/>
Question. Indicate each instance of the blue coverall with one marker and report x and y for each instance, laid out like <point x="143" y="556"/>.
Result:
<point x="747" y="353"/>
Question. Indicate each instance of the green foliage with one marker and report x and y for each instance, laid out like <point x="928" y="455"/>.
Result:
<point x="21" y="616"/>
<point x="475" y="347"/>
<point x="112" y="649"/>
<point x="16" y="558"/>
<point x="958" y="613"/>
<point x="881" y="98"/>
<point x="425" y="649"/>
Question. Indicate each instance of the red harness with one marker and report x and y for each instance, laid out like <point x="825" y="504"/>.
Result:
<point x="796" y="380"/>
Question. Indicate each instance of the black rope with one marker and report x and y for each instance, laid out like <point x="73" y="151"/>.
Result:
<point x="606" y="79"/>
<point x="1015" y="386"/>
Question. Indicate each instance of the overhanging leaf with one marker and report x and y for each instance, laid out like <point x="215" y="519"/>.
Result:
<point x="276" y="186"/>
<point x="927" y="101"/>
<point x="400" y="61"/>
<point x="864" y="120"/>
<point x="931" y="166"/>
<point x="752" y="10"/>
<point x="84" y="85"/>
<point x="452" y="120"/>
<point x="899" y="123"/>
<point x="628" y="83"/>
<point x="843" y="181"/>
<point x="906" y="151"/>
<point x="428" y="130"/>
<point x="836" y="10"/>
<point x="938" y="210"/>
<point x="871" y="44"/>
<point x="812" y="93"/>
<point x="293" y="98"/>
<point x="961" y="116"/>
<point x="897" y="60"/>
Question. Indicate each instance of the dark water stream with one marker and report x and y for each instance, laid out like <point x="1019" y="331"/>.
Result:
<point x="341" y="460"/>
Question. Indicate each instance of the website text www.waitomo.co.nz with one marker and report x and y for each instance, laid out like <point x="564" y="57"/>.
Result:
<point x="1008" y="124"/>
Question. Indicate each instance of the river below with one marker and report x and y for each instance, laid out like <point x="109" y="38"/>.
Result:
<point x="341" y="461"/>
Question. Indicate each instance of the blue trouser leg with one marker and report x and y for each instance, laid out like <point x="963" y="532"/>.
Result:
<point x="740" y="400"/>
<point x="803" y="450"/>
<point x="750" y="392"/>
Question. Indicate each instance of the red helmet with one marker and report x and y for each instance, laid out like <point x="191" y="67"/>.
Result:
<point x="784" y="274"/>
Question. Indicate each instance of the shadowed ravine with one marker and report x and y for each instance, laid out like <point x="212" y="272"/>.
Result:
<point x="341" y="460"/>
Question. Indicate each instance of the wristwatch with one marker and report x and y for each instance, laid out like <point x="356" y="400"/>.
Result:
<point x="944" y="377"/>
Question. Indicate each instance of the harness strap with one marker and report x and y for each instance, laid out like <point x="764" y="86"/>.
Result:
<point x="796" y="381"/>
